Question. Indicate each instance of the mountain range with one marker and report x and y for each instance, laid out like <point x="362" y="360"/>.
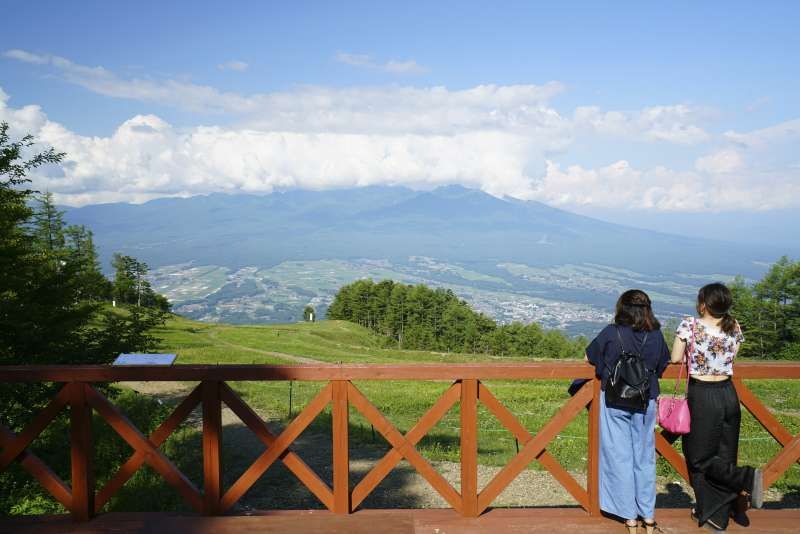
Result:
<point x="450" y="223"/>
<point x="260" y="258"/>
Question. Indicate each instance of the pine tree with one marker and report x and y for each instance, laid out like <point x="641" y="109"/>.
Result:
<point x="81" y="252"/>
<point x="49" y="228"/>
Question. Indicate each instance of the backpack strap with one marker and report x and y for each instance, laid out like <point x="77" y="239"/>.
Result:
<point x="622" y="345"/>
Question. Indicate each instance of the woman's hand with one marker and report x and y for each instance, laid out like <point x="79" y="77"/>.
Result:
<point x="678" y="350"/>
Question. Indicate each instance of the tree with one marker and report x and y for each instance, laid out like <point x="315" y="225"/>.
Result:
<point x="45" y="317"/>
<point x="418" y="317"/>
<point x="308" y="313"/>
<point x="125" y="284"/>
<point x="769" y="312"/>
<point x="81" y="251"/>
<point x="40" y="315"/>
<point x="131" y="285"/>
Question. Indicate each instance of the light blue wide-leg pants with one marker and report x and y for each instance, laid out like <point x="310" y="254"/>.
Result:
<point x="627" y="461"/>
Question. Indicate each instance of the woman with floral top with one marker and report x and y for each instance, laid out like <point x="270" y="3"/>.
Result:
<point x="710" y="343"/>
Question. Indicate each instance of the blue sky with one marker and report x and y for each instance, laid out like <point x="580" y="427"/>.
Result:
<point x="674" y="107"/>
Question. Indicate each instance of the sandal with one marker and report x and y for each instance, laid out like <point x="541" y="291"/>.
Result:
<point x="651" y="527"/>
<point x="633" y="527"/>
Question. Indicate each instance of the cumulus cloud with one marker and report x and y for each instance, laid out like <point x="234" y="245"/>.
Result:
<point x="146" y="157"/>
<point x="392" y="66"/>
<point x="788" y="131"/>
<point x="720" y="162"/>
<point x="506" y="140"/>
<point x="672" y="124"/>
<point x="239" y="66"/>
<point x="622" y="186"/>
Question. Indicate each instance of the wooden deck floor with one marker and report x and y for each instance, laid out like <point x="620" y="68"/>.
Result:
<point x="500" y="521"/>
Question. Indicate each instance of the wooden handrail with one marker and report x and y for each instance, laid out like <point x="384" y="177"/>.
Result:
<point x="341" y="394"/>
<point x="551" y="369"/>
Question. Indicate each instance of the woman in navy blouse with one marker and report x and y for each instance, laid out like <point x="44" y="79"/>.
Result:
<point x="627" y="440"/>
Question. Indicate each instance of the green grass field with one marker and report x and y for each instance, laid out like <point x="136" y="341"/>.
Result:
<point x="403" y="403"/>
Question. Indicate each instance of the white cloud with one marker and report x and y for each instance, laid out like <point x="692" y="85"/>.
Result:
<point x="788" y="131"/>
<point x="672" y="124"/>
<point x="396" y="109"/>
<point x="621" y="186"/>
<point x="505" y="140"/>
<point x="146" y="157"/>
<point x="392" y="66"/>
<point x="239" y="66"/>
<point x="27" y="57"/>
<point x="721" y="162"/>
<point x="99" y="80"/>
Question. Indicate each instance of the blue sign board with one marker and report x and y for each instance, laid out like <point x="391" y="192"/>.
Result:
<point x="145" y="359"/>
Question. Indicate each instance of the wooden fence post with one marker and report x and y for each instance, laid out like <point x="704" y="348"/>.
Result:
<point x="593" y="467"/>
<point x="81" y="453"/>
<point x="212" y="447"/>
<point x="469" y="447"/>
<point x="341" y="455"/>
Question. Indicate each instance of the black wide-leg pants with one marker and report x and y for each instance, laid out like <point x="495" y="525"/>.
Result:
<point x="711" y="449"/>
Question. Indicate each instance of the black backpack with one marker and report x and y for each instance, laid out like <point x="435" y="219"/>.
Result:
<point x="628" y="384"/>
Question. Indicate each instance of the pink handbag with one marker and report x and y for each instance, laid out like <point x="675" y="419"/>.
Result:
<point x="673" y="412"/>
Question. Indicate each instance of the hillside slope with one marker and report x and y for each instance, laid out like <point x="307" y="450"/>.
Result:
<point x="322" y="341"/>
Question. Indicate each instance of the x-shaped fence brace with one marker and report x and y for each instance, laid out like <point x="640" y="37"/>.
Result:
<point x="790" y="452"/>
<point x="774" y="469"/>
<point x="403" y="446"/>
<point x="277" y="447"/>
<point x="14" y="446"/>
<point x="533" y="448"/>
<point x="82" y="398"/>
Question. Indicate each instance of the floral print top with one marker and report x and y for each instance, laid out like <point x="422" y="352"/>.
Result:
<point x="714" y="350"/>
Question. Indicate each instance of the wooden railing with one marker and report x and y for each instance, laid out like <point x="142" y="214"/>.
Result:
<point x="467" y="390"/>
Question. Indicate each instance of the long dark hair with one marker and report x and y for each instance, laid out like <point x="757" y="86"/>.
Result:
<point x="717" y="300"/>
<point x="634" y="309"/>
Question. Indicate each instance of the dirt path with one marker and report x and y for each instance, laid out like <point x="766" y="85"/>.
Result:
<point x="282" y="355"/>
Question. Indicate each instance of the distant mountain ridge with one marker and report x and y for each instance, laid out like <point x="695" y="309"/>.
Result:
<point x="451" y="223"/>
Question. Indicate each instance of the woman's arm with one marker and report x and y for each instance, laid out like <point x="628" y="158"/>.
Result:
<point x="678" y="349"/>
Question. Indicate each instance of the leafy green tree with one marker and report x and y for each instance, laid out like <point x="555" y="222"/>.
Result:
<point x="308" y="313"/>
<point x="418" y="317"/>
<point x="126" y="285"/>
<point x="769" y="312"/>
<point x="131" y="285"/>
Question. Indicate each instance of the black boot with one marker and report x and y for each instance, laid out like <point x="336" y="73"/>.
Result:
<point x="739" y="511"/>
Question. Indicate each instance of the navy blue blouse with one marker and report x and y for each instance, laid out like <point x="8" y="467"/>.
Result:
<point x="604" y="351"/>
